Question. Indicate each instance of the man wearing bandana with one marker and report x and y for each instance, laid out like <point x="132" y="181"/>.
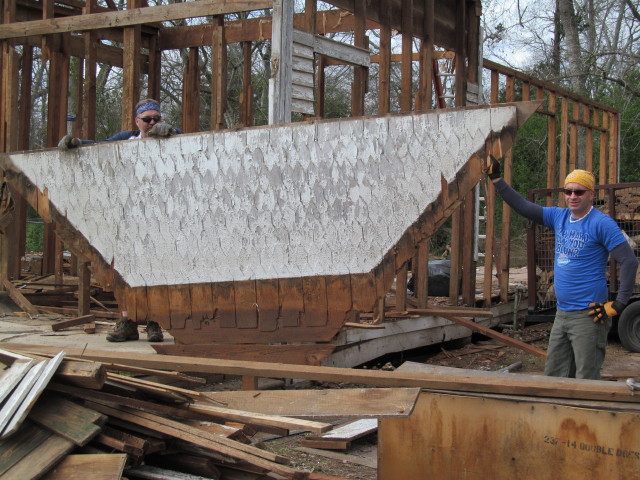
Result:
<point x="584" y="239"/>
<point x="149" y="122"/>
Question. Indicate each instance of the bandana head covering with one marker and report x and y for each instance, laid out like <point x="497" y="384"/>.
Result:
<point x="581" y="177"/>
<point x="148" y="105"/>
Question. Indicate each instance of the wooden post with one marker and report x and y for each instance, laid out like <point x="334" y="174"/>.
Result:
<point x="468" y="254"/>
<point x="407" y="56"/>
<point x="191" y="94"/>
<point x="90" y="60"/>
<point x="456" y="247"/>
<point x="573" y="136"/>
<point x="384" y="68"/>
<point x="281" y="59"/>
<point x="132" y="43"/>
<point x="551" y="145"/>
<point x="421" y="271"/>
<point x="425" y="94"/>
<point x="359" y="85"/>
<point x="506" y="210"/>
<point x="84" y="287"/>
<point x="246" y="97"/>
<point x="461" y="53"/>
<point x="564" y="132"/>
<point x="604" y="142"/>
<point x="586" y="119"/>
<point x="613" y="148"/>
<point x="218" y="74"/>
<point x="401" y="288"/>
<point x="490" y="213"/>
<point x="153" y="80"/>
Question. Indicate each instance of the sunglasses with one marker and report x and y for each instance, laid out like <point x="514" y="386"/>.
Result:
<point x="155" y="118"/>
<point x="578" y="193"/>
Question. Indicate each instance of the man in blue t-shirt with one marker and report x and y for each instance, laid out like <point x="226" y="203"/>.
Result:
<point x="584" y="239"/>
<point x="149" y="122"/>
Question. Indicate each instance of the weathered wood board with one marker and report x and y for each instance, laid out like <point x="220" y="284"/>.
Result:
<point x="266" y="234"/>
<point x="456" y="437"/>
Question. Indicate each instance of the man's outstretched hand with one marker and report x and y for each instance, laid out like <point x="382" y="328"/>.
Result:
<point x="493" y="168"/>
<point x="603" y="310"/>
<point x="162" y="130"/>
<point x="68" y="142"/>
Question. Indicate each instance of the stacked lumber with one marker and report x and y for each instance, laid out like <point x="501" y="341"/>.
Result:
<point x="44" y="294"/>
<point x="59" y="414"/>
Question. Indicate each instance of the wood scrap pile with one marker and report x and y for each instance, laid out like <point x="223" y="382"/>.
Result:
<point x="60" y="414"/>
<point x="46" y="294"/>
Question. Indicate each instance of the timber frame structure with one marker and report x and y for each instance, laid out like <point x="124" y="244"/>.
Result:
<point x="65" y="29"/>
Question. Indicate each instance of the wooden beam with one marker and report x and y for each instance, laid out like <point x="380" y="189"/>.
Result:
<point x="406" y="93"/>
<point x="20" y="299"/>
<point x="281" y="60"/>
<point x="218" y="74"/>
<point x="516" y="384"/>
<point x="71" y="322"/>
<point x="384" y="71"/>
<point x="131" y="17"/>
<point x="512" y="342"/>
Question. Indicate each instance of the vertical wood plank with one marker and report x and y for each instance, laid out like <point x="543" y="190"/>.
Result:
<point x="320" y="85"/>
<point x="495" y="86"/>
<point x="586" y="119"/>
<point x="490" y="215"/>
<point x="384" y="68"/>
<point x="58" y="260"/>
<point x="604" y="149"/>
<point x="573" y="136"/>
<point x="142" y="304"/>
<point x="158" y="305"/>
<point x="421" y="271"/>
<point x="84" y="286"/>
<point x="339" y="293"/>
<point x="358" y="87"/>
<point x="218" y="74"/>
<point x="456" y="246"/>
<point x="291" y="301"/>
<point x="268" y="305"/>
<point x="363" y="292"/>
<point x="551" y="145"/>
<point x="401" y="288"/>
<point x="224" y="303"/>
<point x="246" y="304"/>
<point x="90" y="60"/>
<point x="564" y="134"/>
<point x="246" y="97"/>
<point x="155" y="64"/>
<point x="281" y="59"/>
<point x="461" y="53"/>
<point x="132" y="43"/>
<point x="406" y="70"/>
<point x="179" y="305"/>
<point x="468" y="260"/>
<point x="202" y="308"/>
<point x="613" y="148"/>
<point x="315" y="301"/>
<point x="506" y="211"/>
<point x="191" y="93"/>
<point x="425" y="95"/>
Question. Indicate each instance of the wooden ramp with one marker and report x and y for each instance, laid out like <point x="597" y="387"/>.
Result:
<point x="268" y="235"/>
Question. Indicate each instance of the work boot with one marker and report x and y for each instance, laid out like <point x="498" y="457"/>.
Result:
<point x="154" y="332"/>
<point x="125" y="330"/>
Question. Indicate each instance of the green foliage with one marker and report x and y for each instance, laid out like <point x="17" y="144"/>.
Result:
<point x="35" y="237"/>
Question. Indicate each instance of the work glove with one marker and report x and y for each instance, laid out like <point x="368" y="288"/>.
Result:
<point x="493" y="168"/>
<point x="161" y="130"/>
<point x="69" y="141"/>
<point x="603" y="310"/>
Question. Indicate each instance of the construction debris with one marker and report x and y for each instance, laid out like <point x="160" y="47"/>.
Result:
<point x="63" y="413"/>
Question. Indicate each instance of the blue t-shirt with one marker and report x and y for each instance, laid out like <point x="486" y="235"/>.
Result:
<point x="581" y="255"/>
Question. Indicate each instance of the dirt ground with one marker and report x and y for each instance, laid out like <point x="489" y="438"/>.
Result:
<point x="481" y="353"/>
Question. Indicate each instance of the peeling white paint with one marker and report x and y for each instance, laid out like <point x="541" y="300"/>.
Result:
<point x="323" y="198"/>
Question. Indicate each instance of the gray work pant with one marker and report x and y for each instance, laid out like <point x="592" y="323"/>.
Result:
<point x="576" y="345"/>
